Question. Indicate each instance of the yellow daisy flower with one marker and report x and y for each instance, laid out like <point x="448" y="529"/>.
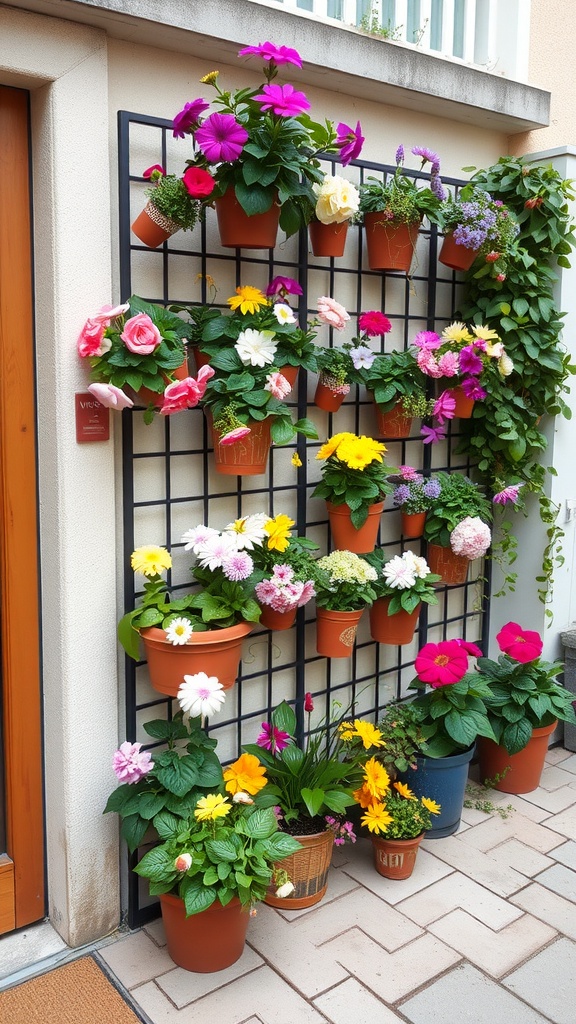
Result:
<point x="346" y="730"/>
<point x="430" y="805"/>
<point x="457" y="332"/>
<point x="245" y="775"/>
<point x="368" y="733"/>
<point x="376" y="818"/>
<point x="359" y="452"/>
<point x="404" y="790"/>
<point x="247" y="299"/>
<point x="211" y="807"/>
<point x="210" y="78"/>
<point x="331" y="445"/>
<point x="296" y="460"/>
<point x="376" y="778"/>
<point x="486" y="333"/>
<point x="150" y="560"/>
<point x="278" y="530"/>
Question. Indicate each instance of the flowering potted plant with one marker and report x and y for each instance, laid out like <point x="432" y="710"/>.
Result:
<point x="141" y="347"/>
<point x="404" y="582"/>
<point x="414" y="495"/>
<point x="402" y="737"/>
<point x="477" y="227"/>
<point x="288" y="575"/>
<point x="174" y="203"/>
<point x="344" y="588"/>
<point x="393" y="211"/>
<point x="334" y="367"/>
<point x="262" y="149"/>
<point x="305" y="783"/>
<point x="337" y="203"/>
<point x="354" y="483"/>
<point x="395" y="382"/>
<point x="524" y="706"/>
<point x="456" y="528"/>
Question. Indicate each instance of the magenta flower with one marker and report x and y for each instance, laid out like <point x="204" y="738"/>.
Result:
<point x="283" y="100"/>
<point x="441" y="664"/>
<point x="427" y="155"/>
<point x="409" y="473"/>
<point x="472" y="389"/>
<point x="308" y="703"/>
<point x="444" y="407"/>
<point x="472" y="649"/>
<point x="235" y="435"/>
<point x="469" y="362"/>
<point x="198" y="182"/>
<point x="154" y="172"/>
<point x="129" y="764"/>
<point x="374" y="323"/>
<point x="187" y="118"/>
<point x="426" y="341"/>
<point x="273" y="739"/>
<point x="283" y="286"/>
<point x="432" y="435"/>
<point x="521" y="645"/>
<point x="508" y="494"/>
<point x="349" y="141"/>
<point x="268" y="51"/>
<point x="221" y="138"/>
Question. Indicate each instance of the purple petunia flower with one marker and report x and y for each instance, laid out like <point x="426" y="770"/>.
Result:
<point x="283" y="286"/>
<point x="187" y="118"/>
<point x="427" y="155"/>
<point x="349" y="141"/>
<point x="221" y="138"/>
<point x="431" y="435"/>
<point x="283" y="100"/>
<point x="469" y="362"/>
<point x="444" y="407"/>
<point x="472" y="389"/>
<point x="268" y="51"/>
<point x="273" y="739"/>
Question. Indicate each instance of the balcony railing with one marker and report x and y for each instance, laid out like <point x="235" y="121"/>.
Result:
<point x="492" y="35"/>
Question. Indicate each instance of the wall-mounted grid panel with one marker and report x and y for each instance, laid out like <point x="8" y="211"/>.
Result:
<point x="169" y="480"/>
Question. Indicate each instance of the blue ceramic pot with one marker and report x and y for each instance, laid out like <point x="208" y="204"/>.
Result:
<point x="442" y="779"/>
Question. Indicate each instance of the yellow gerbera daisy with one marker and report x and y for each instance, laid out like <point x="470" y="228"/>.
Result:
<point x="278" y="530"/>
<point x="296" y="460"/>
<point x="486" y="333"/>
<point x="359" y="452"/>
<point x="376" y="778"/>
<point x="346" y="730"/>
<point x="245" y="775"/>
<point x="247" y="299"/>
<point x="211" y="807"/>
<point x="430" y="805"/>
<point x="376" y="818"/>
<point x="404" y="790"/>
<point x="363" y="796"/>
<point x="457" y="332"/>
<point x="368" y="733"/>
<point x="331" y="445"/>
<point x="150" y="560"/>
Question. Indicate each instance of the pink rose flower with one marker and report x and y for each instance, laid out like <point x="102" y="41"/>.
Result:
<point x="332" y="313"/>
<point x="185" y="394"/>
<point x="110" y="396"/>
<point x="91" y="340"/>
<point x="140" y="335"/>
<point x="109" y="313"/>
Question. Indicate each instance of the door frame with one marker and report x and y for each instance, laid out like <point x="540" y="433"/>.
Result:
<point x="22" y="865"/>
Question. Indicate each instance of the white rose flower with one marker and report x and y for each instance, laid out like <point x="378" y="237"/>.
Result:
<point x="338" y="200"/>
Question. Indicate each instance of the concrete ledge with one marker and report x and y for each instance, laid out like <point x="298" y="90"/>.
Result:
<point x="335" y="57"/>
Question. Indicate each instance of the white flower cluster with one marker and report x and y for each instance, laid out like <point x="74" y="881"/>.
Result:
<point x="346" y="567"/>
<point x="402" y="571"/>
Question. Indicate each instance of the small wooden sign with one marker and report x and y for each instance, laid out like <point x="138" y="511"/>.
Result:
<point x="92" y="419"/>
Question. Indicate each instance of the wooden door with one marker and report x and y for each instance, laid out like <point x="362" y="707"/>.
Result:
<point x="21" y="802"/>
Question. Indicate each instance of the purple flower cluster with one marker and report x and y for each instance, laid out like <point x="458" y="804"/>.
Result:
<point x="432" y="488"/>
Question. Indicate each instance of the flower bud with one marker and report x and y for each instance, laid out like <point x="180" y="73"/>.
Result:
<point x="242" y="798"/>
<point x="308" y="703"/>
<point x="183" y="862"/>
<point x="284" y="890"/>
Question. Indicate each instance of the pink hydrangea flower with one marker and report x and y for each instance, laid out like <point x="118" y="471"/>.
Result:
<point x="470" y="538"/>
<point x="130" y="764"/>
<point x="331" y="312"/>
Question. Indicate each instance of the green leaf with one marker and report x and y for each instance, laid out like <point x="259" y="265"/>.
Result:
<point x="133" y="830"/>
<point x="196" y="896"/>
<point x="313" y="799"/>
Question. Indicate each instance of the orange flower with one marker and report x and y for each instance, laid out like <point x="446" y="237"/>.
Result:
<point x="245" y="775"/>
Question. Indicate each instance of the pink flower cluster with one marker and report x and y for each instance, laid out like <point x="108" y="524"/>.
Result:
<point x="92" y="340"/>
<point x="282" y="592"/>
<point x="470" y="538"/>
<point x="185" y="394"/>
<point x="130" y="764"/>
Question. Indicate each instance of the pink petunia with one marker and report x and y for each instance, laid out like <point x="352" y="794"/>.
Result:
<point x="198" y="182"/>
<point x="441" y="664"/>
<point x="130" y="764"/>
<point x="278" y="54"/>
<point x="221" y="138"/>
<point x="349" y="141"/>
<point x="331" y="312"/>
<point x="521" y="645"/>
<point x="235" y="435"/>
<point x="472" y="649"/>
<point x="444" y="407"/>
<point x="187" y="118"/>
<point x="472" y="389"/>
<point x="282" y="100"/>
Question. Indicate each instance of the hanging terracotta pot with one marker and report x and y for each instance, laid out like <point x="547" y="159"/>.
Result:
<point x="412" y="524"/>
<point x="458" y="257"/>
<point x="307" y="869"/>
<point x="246" y="457"/>
<point x="206" y="942"/>
<point x="452" y="568"/>
<point x="239" y="231"/>
<point x="328" y="239"/>
<point x="515" y="773"/>
<point x="345" y="536"/>
<point x="390" y="245"/>
<point x="327" y="399"/>
<point x="395" y="629"/>
<point x="145" y="397"/>
<point x="394" y="423"/>
<point x="200" y="358"/>
<point x="395" y="858"/>
<point x="217" y="652"/>
<point x="442" y="779"/>
<point x="336" y="632"/>
<point x="153" y="227"/>
<point x="271" y="619"/>
<point x="290" y="373"/>
<point x="464" y="405"/>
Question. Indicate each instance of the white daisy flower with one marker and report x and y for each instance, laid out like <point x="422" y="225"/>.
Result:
<point x="197" y="536"/>
<point x="256" y="348"/>
<point x="179" y="631"/>
<point x="398" y="573"/>
<point x="201" y="695"/>
<point x="215" y="550"/>
<point x="283" y="313"/>
<point x="248" y="532"/>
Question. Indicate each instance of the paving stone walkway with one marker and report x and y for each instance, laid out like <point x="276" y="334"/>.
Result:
<point x="484" y="932"/>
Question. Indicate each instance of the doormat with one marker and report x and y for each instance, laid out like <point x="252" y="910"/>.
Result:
<point x="77" y="993"/>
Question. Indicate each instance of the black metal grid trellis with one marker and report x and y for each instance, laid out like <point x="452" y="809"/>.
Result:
<point x="153" y="471"/>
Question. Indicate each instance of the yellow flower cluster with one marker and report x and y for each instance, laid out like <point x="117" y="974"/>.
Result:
<point x="372" y="795"/>
<point x="368" y="733"/>
<point x="356" y="452"/>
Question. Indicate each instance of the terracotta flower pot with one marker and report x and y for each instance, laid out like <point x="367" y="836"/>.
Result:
<point x="200" y="358"/>
<point x="336" y="632"/>
<point x="452" y="568"/>
<point x="208" y="941"/>
<point x="239" y="231"/>
<point x="153" y="227"/>
<point x="271" y="619"/>
<point x="412" y="524"/>
<point x="328" y="239"/>
<point x="217" y="652"/>
<point x="520" y="773"/>
<point x="326" y="399"/>
<point x="247" y="456"/>
<point x="290" y="373"/>
<point x="464" y="405"/>
<point x="458" y="257"/>
<point x="390" y="245"/>
<point x="394" y="423"/>
<point x="345" y="536"/>
<point x="307" y="869"/>
<point x="145" y="397"/>
<point x="395" y="629"/>
<point x="395" y="858"/>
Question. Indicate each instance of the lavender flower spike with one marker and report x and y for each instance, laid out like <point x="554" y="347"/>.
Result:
<point x="399" y="155"/>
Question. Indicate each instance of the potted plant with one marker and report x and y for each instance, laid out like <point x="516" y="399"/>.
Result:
<point x="288" y="581"/>
<point x="524" y="706"/>
<point x="477" y="227"/>
<point x="393" y="211"/>
<point x="310" y="786"/>
<point x="174" y="203"/>
<point x="262" y="148"/>
<point x="404" y="582"/>
<point x="398" y="388"/>
<point x="334" y="368"/>
<point x="456" y="528"/>
<point x="344" y="588"/>
<point x="354" y="484"/>
<point x="414" y="495"/>
<point x="337" y="203"/>
<point x="141" y="347"/>
<point x="402" y="737"/>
